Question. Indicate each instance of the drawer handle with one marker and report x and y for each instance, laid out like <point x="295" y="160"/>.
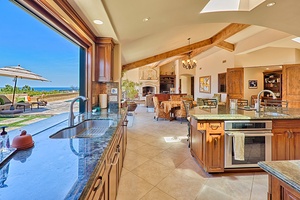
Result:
<point x="116" y="154"/>
<point x="214" y="127"/>
<point x="99" y="179"/>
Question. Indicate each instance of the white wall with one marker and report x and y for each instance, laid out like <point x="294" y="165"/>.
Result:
<point x="253" y="73"/>
<point x="266" y="57"/>
<point x="186" y="84"/>
<point x="212" y="66"/>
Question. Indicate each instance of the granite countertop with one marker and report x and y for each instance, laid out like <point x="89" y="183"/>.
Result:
<point x="286" y="171"/>
<point x="224" y="113"/>
<point x="55" y="168"/>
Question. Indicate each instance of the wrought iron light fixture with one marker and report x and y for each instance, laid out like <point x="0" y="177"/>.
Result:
<point x="189" y="64"/>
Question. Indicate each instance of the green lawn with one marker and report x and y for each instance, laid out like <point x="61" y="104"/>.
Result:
<point x="21" y="120"/>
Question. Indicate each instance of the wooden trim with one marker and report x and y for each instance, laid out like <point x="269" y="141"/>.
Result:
<point x="68" y="9"/>
<point x="44" y="11"/>
<point x="216" y="40"/>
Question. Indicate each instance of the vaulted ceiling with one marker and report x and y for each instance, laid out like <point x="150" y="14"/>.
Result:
<point x="163" y="37"/>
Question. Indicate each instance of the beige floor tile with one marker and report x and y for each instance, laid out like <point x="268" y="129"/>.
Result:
<point x="186" y="179"/>
<point x="124" y="171"/>
<point x="156" y="194"/>
<point x="191" y="165"/>
<point x="259" y="187"/>
<point x="152" y="171"/>
<point x="133" y="160"/>
<point x="132" y="187"/>
<point x="133" y="144"/>
<point x="148" y="151"/>
<point x="180" y="186"/>
<point x="170" y="159"/>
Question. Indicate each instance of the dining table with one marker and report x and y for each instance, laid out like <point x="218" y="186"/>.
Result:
<point x="169" y="107"/>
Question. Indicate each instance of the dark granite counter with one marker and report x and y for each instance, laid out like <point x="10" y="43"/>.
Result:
<point x="223" y="113"/>
<point x="286" y="171"/>
<point x="55" y="168"/>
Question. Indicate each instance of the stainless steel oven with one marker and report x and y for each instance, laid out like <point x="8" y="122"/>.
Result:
<point x="257" y="142"/>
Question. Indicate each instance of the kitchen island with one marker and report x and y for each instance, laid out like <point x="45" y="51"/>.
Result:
<point x="78" y="168"/>
<point x="284" y="179"/>
<point x="207" y="134"/>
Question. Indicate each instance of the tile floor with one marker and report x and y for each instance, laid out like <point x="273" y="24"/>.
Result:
<point x="158" y="170"/>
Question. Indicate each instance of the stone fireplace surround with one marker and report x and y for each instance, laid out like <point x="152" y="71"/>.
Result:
<point x="151" y="85"/>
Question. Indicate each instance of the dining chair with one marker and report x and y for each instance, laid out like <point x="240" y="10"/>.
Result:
<point x="242" y="102"/>
<point x="158" y="110"/>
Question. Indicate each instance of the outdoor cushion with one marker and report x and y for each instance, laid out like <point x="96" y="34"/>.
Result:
<point x="1" y="101"/>
<point x="20" y="99"/>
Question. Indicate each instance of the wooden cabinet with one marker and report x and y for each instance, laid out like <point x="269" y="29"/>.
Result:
<point x="106" y="181"/>
<point x="234" y="84"/>
<point x="273" y="82"/>
<point x="198" y="140"/>
<point x="286" y="140"/>
<point x="215" y="147"/>
<point x="291" y="85"/>
<point x="167" y="82"/>
<point x="207" y="144"/>
<point x="279" y="190"/>
<point x="104" y="59"/>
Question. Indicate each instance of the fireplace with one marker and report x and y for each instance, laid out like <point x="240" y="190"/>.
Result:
<point x="148" y="87"/>
<point x="148" y="90"/>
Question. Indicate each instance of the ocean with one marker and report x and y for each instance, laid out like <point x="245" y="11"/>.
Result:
<point x="54" y="88"/>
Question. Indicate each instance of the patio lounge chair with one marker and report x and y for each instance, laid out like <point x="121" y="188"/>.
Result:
<point x="5" y="103"/>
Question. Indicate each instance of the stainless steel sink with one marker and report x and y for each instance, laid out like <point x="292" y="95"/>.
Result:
<point x="86" y="129"/>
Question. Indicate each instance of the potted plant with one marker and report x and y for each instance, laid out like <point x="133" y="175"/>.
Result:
<point x="130" y="93"/>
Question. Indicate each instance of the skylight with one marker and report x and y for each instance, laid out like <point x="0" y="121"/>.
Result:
<point x="230" y="5"/>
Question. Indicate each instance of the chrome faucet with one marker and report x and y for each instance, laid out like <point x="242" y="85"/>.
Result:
<point x="258" y="98"/>
<point x="71" y="114"/>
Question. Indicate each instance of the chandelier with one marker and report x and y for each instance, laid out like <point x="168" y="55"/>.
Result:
<point x="189" y="64"/>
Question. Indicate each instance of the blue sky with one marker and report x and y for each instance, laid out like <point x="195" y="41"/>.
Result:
<point x="26" y="41"/>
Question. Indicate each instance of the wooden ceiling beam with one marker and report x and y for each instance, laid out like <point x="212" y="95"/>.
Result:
<point x="166" y="55"/>
<point x="226" y="45"/>
<point x="198" y="47"/>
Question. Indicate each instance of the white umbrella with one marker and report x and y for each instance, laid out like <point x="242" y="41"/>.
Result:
<point x="19" y="72"/>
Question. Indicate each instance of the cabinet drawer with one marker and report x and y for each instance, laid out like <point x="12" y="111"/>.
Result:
<point x="286" y="124"/>
<point x="201" y="126"/>
<point x="216" y="126"/>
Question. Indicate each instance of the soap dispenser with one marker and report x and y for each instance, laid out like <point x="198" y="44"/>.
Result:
<point x="5" y="137"/>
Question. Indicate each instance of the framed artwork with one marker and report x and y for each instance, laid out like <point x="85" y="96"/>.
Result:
<point x="204" y="84"/>
<point x="252" y="84"/>
<point x="114" y="91"/>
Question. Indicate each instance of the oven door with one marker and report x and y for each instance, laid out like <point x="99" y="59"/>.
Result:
<point x="257" y="148"/>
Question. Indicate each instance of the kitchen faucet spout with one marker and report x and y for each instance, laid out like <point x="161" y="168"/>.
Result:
<point x="71" y="114"/>
<point x="258" y="98"/>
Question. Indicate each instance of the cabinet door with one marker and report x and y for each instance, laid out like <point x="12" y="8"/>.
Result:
<point x="215" y="152"/>
<point x="235" y="83"/>
<point x="215" y="147"/>
<point x="113" y="173"/>
<point x="294" y="144"/>
<point x="291" y="85"/>
<point x="280" y="144"/>
<point x="104" y="60"/>
<point x="99" y="190"/>
<point x="197" y="141"/>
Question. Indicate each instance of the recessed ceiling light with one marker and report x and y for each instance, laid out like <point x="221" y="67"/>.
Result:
<point x="271" y="4"/>
<point x="267" y="68"/>
<point x="146" y="19"/>
<point x="97" y="21"/>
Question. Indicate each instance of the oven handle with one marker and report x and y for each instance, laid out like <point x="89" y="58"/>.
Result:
<point x="257" y="133"/>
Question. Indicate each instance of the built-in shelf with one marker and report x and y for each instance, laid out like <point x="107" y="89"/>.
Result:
<point x="273" y="82"/>
<point x="167" y="82"/>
